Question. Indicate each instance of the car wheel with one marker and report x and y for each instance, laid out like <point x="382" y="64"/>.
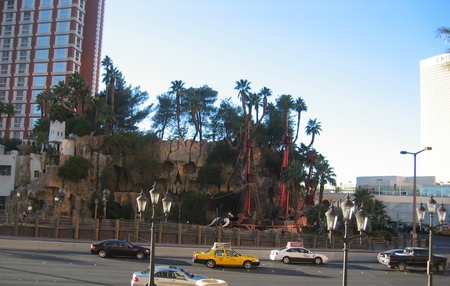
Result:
<point x="440" y="267"/>
<point x="401" y="266"/>
<point x="248" y="264"/>
<point x="286" y="260"/>
<point x="102" y="253"/>
<point x="318" y="260"/>
<point x="210" y="263"/>
<point x="140" y="255"/>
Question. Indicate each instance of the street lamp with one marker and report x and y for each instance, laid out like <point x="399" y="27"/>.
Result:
<point x="96" y="207"/>
<point x="106" y="193"/>
<point x="442" y="213"/>
<point x="142" y="203"/>
<point x="362" y="217"/>
<point x="414" y="192"/>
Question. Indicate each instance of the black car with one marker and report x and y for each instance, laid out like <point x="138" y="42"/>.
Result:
<point x="117" y="247"/>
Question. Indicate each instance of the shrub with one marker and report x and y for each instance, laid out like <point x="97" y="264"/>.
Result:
<point x="74" y="169"/>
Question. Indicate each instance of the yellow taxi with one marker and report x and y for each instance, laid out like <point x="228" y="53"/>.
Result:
<point x="223" y="255"/>
<point x="443" y="231"/>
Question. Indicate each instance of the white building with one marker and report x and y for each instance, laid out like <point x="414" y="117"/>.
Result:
<point x="435" y="117"/>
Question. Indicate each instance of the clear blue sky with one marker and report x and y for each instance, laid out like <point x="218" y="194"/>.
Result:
<point x="354" y="62"/>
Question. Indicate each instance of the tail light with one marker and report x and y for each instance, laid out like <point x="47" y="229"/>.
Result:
<point x="135" y="279"/>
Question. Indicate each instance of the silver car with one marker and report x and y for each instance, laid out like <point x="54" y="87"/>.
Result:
<point x="166" y="275"/>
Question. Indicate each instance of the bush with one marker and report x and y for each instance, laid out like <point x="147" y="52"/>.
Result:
<point x="74" y="169"/>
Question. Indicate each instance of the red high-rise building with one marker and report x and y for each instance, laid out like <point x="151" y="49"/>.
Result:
<point x="41" y="43"/>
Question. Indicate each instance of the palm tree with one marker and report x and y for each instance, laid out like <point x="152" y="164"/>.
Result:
<point x="43" y="100"/>
<point x="299" y="106"/>
<point x="243" y="86"/>
<point x="292" y="176"/>
<point x="193" y="104"/>
<point x="366" y="198"/>
<point x="253" y="100"/>
<point x="80" y="92"/>
<point x="178" y="89"/>
<point x="63" y="91"/>
<point x="9" y="111"/>
<point x="111" y="76"/>
<point x="444" y="33"/>
<point x="313" y="128"/>
<point x="325" y="175"/>
<point x="265" y="93"/>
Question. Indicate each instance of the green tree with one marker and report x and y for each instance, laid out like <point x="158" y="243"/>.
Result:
<point x="243" y="86"/>
<point x="164" y="114"/>
<point x="178" y="90"/>
<point x="313" y="128"/>
<point x="299" y="106"/>
<point x="74" y="169"/>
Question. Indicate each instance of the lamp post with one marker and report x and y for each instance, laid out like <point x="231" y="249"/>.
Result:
<point x="142" y="203"/>
<point x="442" y="213"/>
<point x="106" y="193"/>
<point x="414" y="230"/>
<point x="362" y="218"/>
<point x="96" y="207"/>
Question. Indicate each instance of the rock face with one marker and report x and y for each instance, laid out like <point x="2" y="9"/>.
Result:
<point x="182" y="161"/>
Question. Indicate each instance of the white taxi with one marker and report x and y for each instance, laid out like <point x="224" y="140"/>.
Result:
<point x="294" y="252"/>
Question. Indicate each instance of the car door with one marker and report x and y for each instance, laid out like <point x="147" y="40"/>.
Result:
<point x="112" y="248"/>
<point x="231" y="258"/>
<point x="219" y="257"/>
<point x="294" y="254"/>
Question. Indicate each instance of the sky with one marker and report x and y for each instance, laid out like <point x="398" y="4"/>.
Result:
<point x="354" y="62"/>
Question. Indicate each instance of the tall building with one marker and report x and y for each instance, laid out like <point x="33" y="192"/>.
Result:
<point x="41" y="43"/>
<point x="435" y="117"/>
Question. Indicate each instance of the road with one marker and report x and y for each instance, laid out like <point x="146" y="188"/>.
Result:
<point x="39" y="263"/>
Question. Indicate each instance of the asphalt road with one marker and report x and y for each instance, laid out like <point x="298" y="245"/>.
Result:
<point x="52" y="262"/>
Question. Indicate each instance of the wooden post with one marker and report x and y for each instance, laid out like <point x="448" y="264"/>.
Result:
<point x="179" y="232"/>
<point x="56" y="230"/>
<point x="36" y="227"/>
<point x="199" y="234"/>
<point x="77" y="229"/>
<point x="117" y="230"/>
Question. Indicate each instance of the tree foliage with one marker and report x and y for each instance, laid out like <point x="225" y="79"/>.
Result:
<point x="74" y="169"/>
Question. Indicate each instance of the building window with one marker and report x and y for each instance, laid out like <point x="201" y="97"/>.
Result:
<point x="5" y="170"/>
<point x="81" y="4"/>
<point x="43" y="41"/>
<point x="77" y="68"/>
<point x="5" y="56"/>
<point x="7" y="30"/>
<point x="24" y="42"/>
<point x="10" y="5"/>
<point x="80" y="16"/>
<point x="40" y="67"/>
<point x="46" y="3"/>
<point x="6" y="43"/>
<point x="64" y="13"/>
<point x="60" y="53"/>
<point x="19" y="95"/>
<point x="22" y="68"/>
<point x="18" y="108"/>
<point x="62" y="40"/>
<point x="62" y="26"/>
<point x="23" y="55"/>
<point x="3" y="82"/>
<point x="17" y="122"/>
<point x="9" y="17"/>
<point x="35" y="93"/>
<point x="44" y="28"/>
<point x="36" y="109"/>
<point x="26" y="29"/>
<point x="59" y="67"/>
<point x="16" y="134"/>
<point x="20" y="82"/>
<point x="57" y="79"/>
<point x="39" y="81"/>
<point x="45" y="15"/>
<point x="79" y="29"/>
<point x="77" y="56"/>
<point x="28" y="4"/>
<point x="79" y="43"/>
<point x="2" y="95"/>
<point x="26" y="16"/>
<point x="42" y="54"/>
<point x="36" y="173"/>
<point x="4" y="69"/>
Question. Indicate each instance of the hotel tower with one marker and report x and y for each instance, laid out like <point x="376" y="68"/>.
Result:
<point x="41" y="43"/>
<point x="435" y="117"/>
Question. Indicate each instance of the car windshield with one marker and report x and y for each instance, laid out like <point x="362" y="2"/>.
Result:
<point x="190" y="275"/>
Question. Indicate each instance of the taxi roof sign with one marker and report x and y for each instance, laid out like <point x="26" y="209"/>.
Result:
<point x="294" y="244"/>
<point x="222" y="245"/>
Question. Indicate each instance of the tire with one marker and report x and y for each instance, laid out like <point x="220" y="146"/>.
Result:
<point x="140" y="255"/>
<point x="102" y="253"/>
<point x="440" y="267"/>
<point x="248" y="264"/>
<point x="318" y="260"/>
<point x="401" y="266"/>
<point x="210" y="263"/>
<point x="286" y="260"/>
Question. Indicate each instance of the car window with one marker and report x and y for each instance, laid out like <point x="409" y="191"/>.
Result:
<point x="161" y="274"/>
<point x="177" y="275"/>
<point x="218" y="253"/>
<point x="231" y="253"/>
<point x="109" y="243"/>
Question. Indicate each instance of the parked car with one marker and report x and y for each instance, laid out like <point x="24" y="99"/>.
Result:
<point x="166" y="275"/>
<point x="382" y="256"/>
<point x="294" y="252"/>
<point x="415" y="257"/>
<point x="117" y="247"/>
<point x="222" y="254"/>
